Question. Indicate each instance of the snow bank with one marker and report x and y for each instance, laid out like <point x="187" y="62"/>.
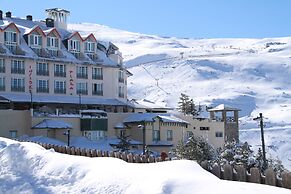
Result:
<point x="29" y="168"/>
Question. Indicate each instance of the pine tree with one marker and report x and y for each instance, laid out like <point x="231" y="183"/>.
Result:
<point x="184" y="103"/>
<point x="124" y="143"/>
<point x="196" y="148"/>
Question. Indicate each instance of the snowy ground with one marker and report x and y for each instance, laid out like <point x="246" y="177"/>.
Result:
<point x="29" y="168"/>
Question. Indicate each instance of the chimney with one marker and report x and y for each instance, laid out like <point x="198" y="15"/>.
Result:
<point x="8" y="14"/>
<point x="49" y="22"/>
<point x="1" y="15"/>
<point x="29" y="17"/>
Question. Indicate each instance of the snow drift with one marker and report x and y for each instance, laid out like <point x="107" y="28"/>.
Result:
<point x="29" y="168"/>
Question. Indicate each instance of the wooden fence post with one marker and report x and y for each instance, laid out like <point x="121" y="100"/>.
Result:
<point x="227" y="172"/>
<point x="151" y="159"/>
<point x="241" y="173"/>
<point x="216" y="170"/>
<point x="99" y="153"/>
<point x="130" y="158"/>
<point x="111" y="154"/>
<point x="270" y="177"/>
<point x="137" y="158"/>
<point x="105" y="154"/>
<point x="94" y="153"/>
<point x="124" y="156"/>
<point x="73" y="151"/>
<point x="255" y="176"/>
<point x="286" y="180"/>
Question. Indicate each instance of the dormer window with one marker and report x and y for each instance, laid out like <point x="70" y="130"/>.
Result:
<point x="35" y="40"/>
<point x="52" y="43"/>
<point x="10" y="40"/>
<point x="89" y="47"/>
<point x="74" y="45"/>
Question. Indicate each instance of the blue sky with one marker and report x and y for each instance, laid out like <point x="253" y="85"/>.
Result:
<point x="179" y="18"/>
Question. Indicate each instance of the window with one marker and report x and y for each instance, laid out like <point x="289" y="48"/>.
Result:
<point x="82" y="88"/>
<point x="218" y="134"/>
<point x="204" y="128"/>
<point x="2" y="66"/>
<point x="60" y="87"/>
<point x="89" y="47"/>
<point x="121" y="91"/>
<point x="2" y="83"/>
<point x="97" y="73"/>
<point x="17" y="84"/>
<point x="60" y="70"/>
<point x="17" y="67"/>
<point x="10" y="38"/>
<point x="82" y="72"/>
<point x="97" y="89"/>
<point x="74" y="45"/>
<point x="156" y="135"/>
<point x="35" y="40"/>
<point x="94" y="135"/>
<point x="42" y="86"/>
<point x="169" y="135"/>
<point x="42" y="69"/>
<point x="13" y="133"/>
<point x="120" y="76"/>
<point x="52" y="43"/>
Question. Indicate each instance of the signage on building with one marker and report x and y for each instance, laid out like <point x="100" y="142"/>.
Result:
<point x="71" y="82"/>
<point x="30" y="78"/>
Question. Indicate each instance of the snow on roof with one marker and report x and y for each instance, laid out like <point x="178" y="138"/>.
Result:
<point x="160" y="143"/>
<point x="149" y="117"/>
<point x="147" y="104"/>
<point x="26" y="26"/>
<point x="223" y="107"/>
<point x="62" y="99"/>
<point x="119" y="126"/>
<point x="52" y="124"/>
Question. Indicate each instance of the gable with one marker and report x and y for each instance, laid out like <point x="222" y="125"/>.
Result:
<point x="11" y="27"/>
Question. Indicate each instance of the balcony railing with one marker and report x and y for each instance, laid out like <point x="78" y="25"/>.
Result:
<point x="42" y="72"/>
<point x="60" y="91"/>
<point x="2" y="88"/>
<point x="121" y="80"/>
<point x="60" y="74"/>
<point x="96" y="76"/>
<point x="2" y="69"/>
<point x="42" y="90"/>
<point x="121" y="95"/>
<point x="17" y="88"/>
<point x="97" y="93"/>
<point x="18" y="70"/>
<point x="82" y="75"/>
<point x="83" y="92"/>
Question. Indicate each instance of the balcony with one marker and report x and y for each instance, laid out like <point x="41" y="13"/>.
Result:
<point x="2" y="88"/>
<point x="121" y="80"/>
<point x="18" y="70"/>
<point x="2" y="69"/>
<point x="83" y="92"/>
<point x="97" y="93"/>
<point x="42" y="90"/>
<point x="98" y="77"/>
<point x="60" y="91"/>
<point x="82" y="75"/>
<point x="17" y="88"/>
<point x="42" y="72"/>
<point x="60" y="74"/>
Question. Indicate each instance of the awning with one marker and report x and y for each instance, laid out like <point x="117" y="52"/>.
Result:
<point x="62" y="99"/>
<point x="52" y="124"/>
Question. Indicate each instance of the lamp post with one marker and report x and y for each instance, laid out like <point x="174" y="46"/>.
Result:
<point x="68" y="136"/>
<point x="262" y="137"/>
<point x="143" y="137"/>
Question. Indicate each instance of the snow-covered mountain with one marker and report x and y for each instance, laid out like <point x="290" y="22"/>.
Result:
<point x="250" y="74"/>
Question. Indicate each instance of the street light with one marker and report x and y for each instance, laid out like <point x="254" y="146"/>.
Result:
<point x="68" y="135"/>
<point x="143" y="137"/>
<point x="262" y="137"/>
